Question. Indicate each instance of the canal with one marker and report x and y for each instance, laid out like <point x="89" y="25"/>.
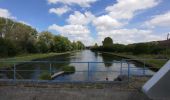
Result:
<point x="84" y="71"/>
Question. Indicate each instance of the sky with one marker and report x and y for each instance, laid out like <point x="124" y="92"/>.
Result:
<point x="90" y="21"/>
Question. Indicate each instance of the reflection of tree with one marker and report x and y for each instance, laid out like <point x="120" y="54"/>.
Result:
<point x="96" y="54"/>
<point x="107" y="59"/>
<point x="36" y="67"/>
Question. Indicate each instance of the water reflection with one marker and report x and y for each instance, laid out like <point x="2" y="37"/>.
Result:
<point x="84" y="71"/>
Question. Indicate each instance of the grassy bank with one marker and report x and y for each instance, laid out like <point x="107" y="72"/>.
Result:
<point x="10" y="61"/>
<point x="154" y="61"/>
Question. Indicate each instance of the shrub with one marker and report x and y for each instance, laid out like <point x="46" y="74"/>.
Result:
<point x="68" y="69"/>
<point x="45" y="76"/>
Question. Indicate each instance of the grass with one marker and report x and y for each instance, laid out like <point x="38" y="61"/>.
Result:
<point x="7" y="62"/>
<point x="45" y="76"/>
<point x="151" y="60"/>
<point x="68" y="69"/>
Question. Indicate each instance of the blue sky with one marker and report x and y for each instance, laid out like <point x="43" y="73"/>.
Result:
<point x="90" y="21"/>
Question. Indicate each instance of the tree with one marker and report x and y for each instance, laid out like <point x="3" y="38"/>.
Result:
<point x="18" y="38"/>
<point x="74" y="45"/>
<point x="45" y="42"/>
<point x="61" y="44"/>
<point x="95" y="45"/>
<point x="108" y="42"/>
<point x="22" y="35"/>
<point x="7" y="48"/>
<point x="80" y="45"/>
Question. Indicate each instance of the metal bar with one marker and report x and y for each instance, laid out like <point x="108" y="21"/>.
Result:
<point x="121" y="68"/>
<point x="144" y="68"/>
<point x="54" y="62"/>
<point x="128" y="71"/>
<point x="88" y="71"/>
<point x="14" y="75"/>
<point x="50" y="69"/>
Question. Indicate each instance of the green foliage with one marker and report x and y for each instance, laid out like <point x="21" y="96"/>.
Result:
<point x="108" y="42"/>
<point x="138" y="48"/>
<point x="61" y="44"/>
<point x="80" y="45"/>
<point x="95" y="45"/>
<point x="68" y="69"/>
<point x="20" y="35"/>
<point x="18" y="38"/>
<point x="7" y="48"/>
<point x="45" y="76"/>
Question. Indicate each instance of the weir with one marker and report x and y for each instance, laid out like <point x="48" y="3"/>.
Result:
<point x="57" y="74"/>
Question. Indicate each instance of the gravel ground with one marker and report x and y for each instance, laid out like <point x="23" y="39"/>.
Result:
<point x="85" y="91"/>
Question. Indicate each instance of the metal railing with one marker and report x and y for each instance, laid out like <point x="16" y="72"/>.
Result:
<point x="18" y="70"/>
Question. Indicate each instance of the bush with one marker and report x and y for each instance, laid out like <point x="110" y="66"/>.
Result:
<point x="7" y="48"/>
<point x="68" y="69"/>
<point x="45" y="76"/>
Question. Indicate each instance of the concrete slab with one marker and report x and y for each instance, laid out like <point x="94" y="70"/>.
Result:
<point x="158" y="87"/>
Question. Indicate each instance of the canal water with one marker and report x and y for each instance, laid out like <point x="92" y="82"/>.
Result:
<point x="108" y="68"/>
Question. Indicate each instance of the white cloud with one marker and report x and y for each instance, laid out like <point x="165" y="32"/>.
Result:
<point x="105" y="22"/>
<point x="60" y="11"/>
<point x="127" y="36"/>
<point x="80" y="19"/>
<point x="5" y="13"/>
<point x="70" y="29"/>
<point x="162" y="20"/>
<point x="118" y="15"/>
<point x="126" y="9"/>
<point x="77" y="29"/>
<point x="74" y="32"/>
<point x="110" y="24"/>
<point x="82" y="3"/>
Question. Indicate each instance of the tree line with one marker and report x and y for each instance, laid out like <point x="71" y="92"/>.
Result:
<point x="18" y="38"/>
<point x="137" y="48"/>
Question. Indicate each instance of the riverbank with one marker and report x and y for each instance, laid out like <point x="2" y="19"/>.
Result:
<point x="7" y="62"/>
<point x="153" y="61"/>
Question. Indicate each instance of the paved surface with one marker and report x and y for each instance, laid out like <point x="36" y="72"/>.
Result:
<point x="67" y="91"/>
<point x="32" y="93"/>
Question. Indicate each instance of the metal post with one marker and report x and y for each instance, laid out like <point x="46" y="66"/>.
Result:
<point x="88" y="71"/>
<point x="144" y="68"/>
<point x="50" y="69"/>
<point x="121" y="68"/>
<point x="14" y="73"/>
<point x="128" y="71"/>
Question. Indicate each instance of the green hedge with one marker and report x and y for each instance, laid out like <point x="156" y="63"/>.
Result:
<point x="68" y="69"/>
<point x="45" y="76"/>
